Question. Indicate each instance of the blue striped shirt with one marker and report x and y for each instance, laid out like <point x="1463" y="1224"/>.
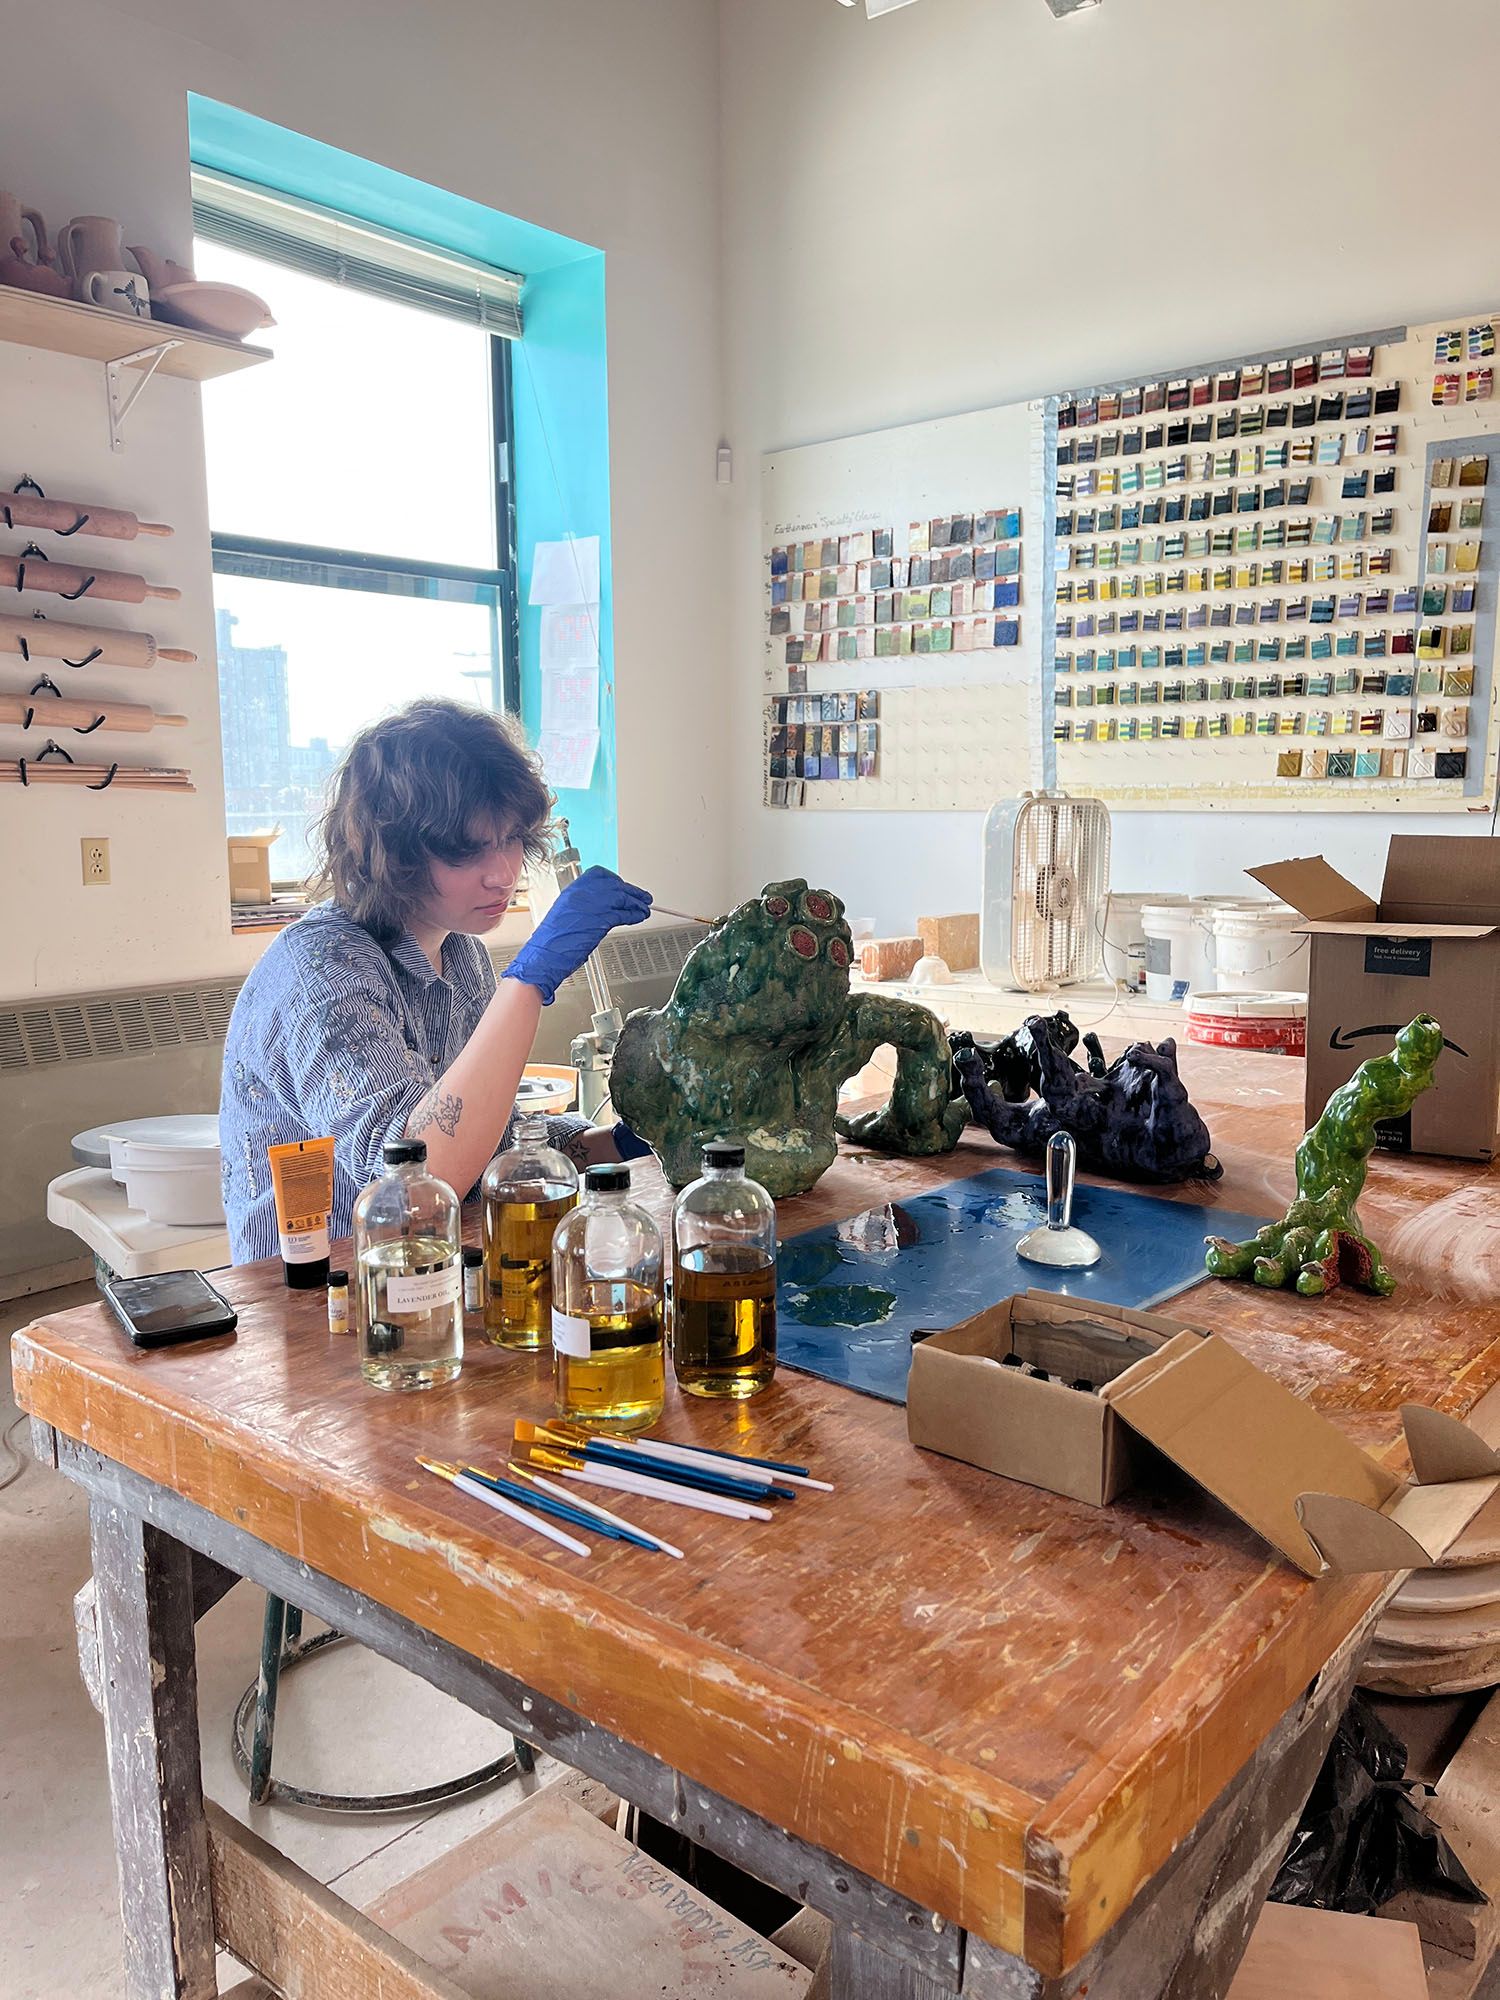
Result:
<point x="334" y="1034"/>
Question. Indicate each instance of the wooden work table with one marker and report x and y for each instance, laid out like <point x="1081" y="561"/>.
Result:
<point x="1016" y="1746"/>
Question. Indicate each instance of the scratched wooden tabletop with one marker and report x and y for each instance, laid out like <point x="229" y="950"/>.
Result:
<point x="1007" y="1705"/>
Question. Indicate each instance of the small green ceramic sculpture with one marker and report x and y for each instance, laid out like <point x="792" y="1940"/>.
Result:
<point x="758" y="1035"/>
<point x="1319" y="1243"/>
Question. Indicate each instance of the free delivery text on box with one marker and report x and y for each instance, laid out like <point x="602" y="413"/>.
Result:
<point x="1267" y="1455"/>
<point x="1430" y="946"/>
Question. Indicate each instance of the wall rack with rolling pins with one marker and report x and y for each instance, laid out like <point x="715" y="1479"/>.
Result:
<point x="1251" y="584"/>
<point x="38" y="637"/>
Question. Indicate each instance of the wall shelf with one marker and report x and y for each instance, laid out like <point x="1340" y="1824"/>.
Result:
<point x="131" y="350"/>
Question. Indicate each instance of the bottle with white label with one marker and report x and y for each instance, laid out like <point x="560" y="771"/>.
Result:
<point x="607" y="1343"/>
<point x="408" y="1274"/>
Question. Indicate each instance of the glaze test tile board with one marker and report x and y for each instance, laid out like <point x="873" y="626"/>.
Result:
<point x="959" y="728"/>
<point x="1276" y="587"/>
<point x="1252" y="584"/>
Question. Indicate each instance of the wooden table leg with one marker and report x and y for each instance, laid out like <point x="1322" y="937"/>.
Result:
<point x="150" y="1683"/>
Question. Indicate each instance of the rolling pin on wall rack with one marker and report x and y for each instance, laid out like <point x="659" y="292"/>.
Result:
<point x="43" y="704"/>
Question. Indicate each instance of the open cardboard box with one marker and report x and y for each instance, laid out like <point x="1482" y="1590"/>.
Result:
<point x="1431" y="945"/>
<point x="1287" y="1472"/>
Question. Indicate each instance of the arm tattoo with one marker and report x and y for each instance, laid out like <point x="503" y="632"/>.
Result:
<point x="439" y="1107"/>
<point x="577" y="1148"/>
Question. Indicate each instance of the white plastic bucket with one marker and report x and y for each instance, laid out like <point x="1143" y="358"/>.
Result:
<point x="1256" y="947"/>
<point x="1124" y="949"/>
<point x="1250" y="1019"/>
<point x="177" y="1191"/>
<point x="1179" y="948"/>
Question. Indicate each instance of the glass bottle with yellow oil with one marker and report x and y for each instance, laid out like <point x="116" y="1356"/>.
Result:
<point x="607" y="1340"/>
<point x="724" y="1280"/>
<point x="526" y="1192"/>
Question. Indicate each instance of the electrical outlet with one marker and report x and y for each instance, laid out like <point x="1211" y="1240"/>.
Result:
<point x="95" y="863"/>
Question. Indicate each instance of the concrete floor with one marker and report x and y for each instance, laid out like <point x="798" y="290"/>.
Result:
<point x="347" y="1721"/>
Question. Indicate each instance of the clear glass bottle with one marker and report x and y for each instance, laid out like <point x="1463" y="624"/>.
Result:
<point x="724" y="1280"/>
<point x="526" y="1192"/>
<point x="408" y="1274"/>
<point x="609" y="1361"/>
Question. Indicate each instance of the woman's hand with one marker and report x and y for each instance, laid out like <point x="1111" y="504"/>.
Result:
<point x="577" y="923"/>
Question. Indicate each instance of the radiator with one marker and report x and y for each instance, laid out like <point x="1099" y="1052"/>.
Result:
<point x="82" y="1060"/>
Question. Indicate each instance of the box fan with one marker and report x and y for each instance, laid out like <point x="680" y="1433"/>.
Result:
<point x="1044" y="888"/>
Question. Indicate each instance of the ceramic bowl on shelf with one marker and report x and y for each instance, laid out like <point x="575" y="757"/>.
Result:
<point x="202" y="307"/>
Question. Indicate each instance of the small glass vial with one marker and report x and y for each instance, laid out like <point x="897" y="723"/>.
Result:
<point x="409" y="1300"/>
<point x="473" y="1265"/>
<point x="338" y="1301"/>
<point x="724" y="1280"/>
<point x="526" y="1192"/>
<point x="609" y="1363"/>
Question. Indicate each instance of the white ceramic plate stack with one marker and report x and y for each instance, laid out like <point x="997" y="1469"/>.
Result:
<point x="1441" y="1633"/>
<point x="169" y="1167"/>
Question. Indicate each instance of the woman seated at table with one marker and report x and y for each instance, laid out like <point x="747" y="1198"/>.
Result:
<point x="378" y="1015"/>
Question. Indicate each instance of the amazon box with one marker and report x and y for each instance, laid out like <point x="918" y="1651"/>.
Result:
<point x="1431" y="945"/>
<point x="1126" y="1386"/>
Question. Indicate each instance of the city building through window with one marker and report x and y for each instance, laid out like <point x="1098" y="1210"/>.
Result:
<point x="359" y="497"/>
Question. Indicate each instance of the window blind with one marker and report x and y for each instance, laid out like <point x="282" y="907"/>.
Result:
<point x="358" y="254"/>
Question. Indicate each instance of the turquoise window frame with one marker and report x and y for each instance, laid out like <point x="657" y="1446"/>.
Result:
<point x="560" y="379"/>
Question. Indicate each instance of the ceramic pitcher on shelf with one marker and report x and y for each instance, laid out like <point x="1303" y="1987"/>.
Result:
<point x="90" y="243"/>
<point x="14" y="216"/>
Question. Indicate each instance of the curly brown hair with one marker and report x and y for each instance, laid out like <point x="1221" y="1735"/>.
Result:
<point x="428" y="783"/>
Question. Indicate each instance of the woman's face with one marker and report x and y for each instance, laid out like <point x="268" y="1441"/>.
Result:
<point x="474" y="894"/>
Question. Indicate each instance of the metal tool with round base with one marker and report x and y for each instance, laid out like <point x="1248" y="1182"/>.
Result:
<point x="1057" y="1242"/>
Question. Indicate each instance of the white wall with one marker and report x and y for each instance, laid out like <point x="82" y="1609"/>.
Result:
<point x="591" y="118"/>
<point x="967" y="203"/>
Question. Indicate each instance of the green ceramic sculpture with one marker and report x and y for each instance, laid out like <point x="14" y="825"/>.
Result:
<point x="1320" y="1243"/>
<point x="759" y="1033"/>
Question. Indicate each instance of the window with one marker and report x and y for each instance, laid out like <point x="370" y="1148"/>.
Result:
<point x="359" y="497"/>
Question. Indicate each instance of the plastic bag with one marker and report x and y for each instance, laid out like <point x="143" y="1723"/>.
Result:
<point x="1363" y="1836"/>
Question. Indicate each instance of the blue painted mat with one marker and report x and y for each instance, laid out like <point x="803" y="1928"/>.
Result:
<point x="851" y="1294"/>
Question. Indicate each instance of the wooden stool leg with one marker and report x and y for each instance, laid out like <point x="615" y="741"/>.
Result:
<point x="272" y="1639"/>
<point x="150" y="1686"/>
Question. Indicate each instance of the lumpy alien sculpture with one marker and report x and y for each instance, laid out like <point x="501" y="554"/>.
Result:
<point x="1320" y="1243"/>
<point x="1133" y="1119"/>
<point x="759" y="1033"/>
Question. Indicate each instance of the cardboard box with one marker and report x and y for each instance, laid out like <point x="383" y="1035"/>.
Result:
<point x="250" y="866"/>
<point x="1303" y="1954"/>
<point x="1431" y="945"/>
<point x="1268" y="1456"/>
<point x="889" y="958"/>
<point x="964" y="1401"/>
<point x="955" y="940"/>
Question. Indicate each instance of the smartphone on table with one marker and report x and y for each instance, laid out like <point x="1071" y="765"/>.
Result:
<point x="173" y="1306"/>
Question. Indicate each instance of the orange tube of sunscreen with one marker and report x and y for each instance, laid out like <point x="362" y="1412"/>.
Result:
<point x="302" y="1180"/>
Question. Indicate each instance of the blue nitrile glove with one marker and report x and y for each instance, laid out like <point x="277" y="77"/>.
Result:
<point x="583" y="915"/>
<point x="629" y="1145"/>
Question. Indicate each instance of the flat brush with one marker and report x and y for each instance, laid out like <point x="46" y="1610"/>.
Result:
<point x="589" y="1509"/>
<point x="762" y="1470"/>
<point x="706" y="1479"/>
<point x="562" y="1509"/>
<point x="526" y="1517"/>
<point x="590" y="1473"/>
